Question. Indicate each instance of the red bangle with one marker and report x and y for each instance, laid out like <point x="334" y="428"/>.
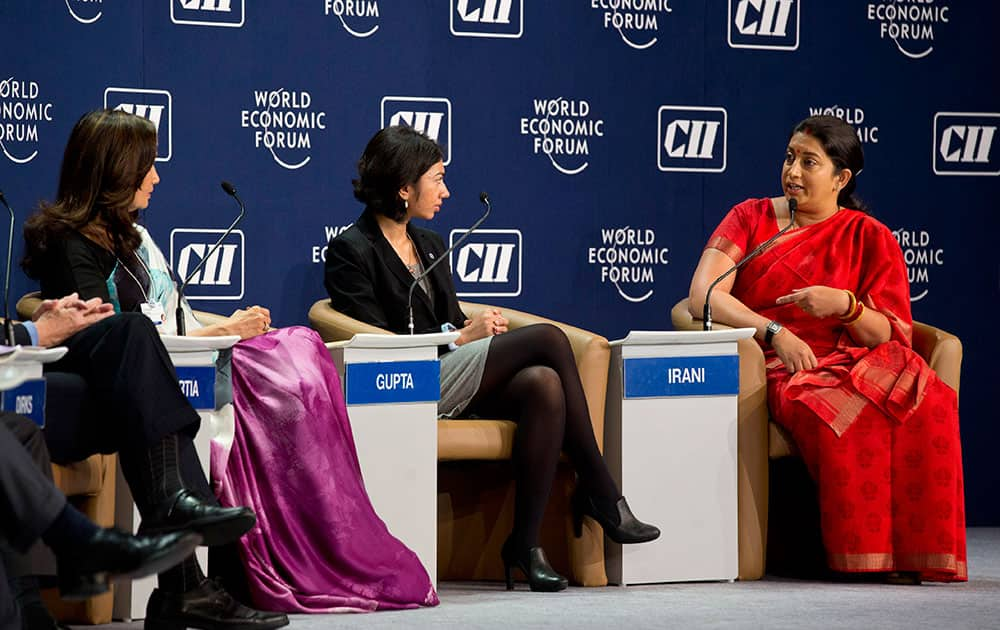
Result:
<point x="852" y="307"/>
<point x="856" y="316"/>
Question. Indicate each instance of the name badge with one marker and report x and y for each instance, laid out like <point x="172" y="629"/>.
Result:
<point x="663" y="377"/>
<point x="392" y="382"/>
<point x="27" y="399"/>
<point x="154" y="311"/>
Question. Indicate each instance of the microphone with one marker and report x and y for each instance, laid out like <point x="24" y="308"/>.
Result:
<point x="8" y="326"/>
<point x="707" y="311"/>
<point x="485" y="200"/>
<point x="179" y="313"/>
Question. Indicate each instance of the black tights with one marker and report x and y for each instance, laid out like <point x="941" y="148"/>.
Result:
<point x="531" y="377"/>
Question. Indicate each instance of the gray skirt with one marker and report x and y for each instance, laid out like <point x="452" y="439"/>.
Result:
<point x="461" y="373"/>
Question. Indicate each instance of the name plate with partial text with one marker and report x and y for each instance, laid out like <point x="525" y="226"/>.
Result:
<point x="198" y="384"/>
<point x="27" y="399"/>
<point x="661" y="377"/>
<point x="392" y="382"/>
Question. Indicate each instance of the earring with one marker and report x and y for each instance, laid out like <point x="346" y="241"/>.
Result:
<point x="406" y="205"/>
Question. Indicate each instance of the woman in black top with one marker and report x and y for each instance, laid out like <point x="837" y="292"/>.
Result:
<point x="528" y="374"/>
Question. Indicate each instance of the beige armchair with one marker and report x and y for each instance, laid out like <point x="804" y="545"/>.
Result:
<point x="475" y="489"/>
<point x="760" y="440"/>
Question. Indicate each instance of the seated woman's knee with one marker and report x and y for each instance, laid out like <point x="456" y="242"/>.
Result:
<point x="540" y="385"/>
<point x="550" y="336"/>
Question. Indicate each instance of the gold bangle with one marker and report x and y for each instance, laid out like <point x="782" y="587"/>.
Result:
<point x="857" y="316"/>
<point x="852" y="306"/>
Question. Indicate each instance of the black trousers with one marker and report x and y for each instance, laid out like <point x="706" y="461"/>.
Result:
<point x="29" y="502"/>
<point x="116" y="391"/>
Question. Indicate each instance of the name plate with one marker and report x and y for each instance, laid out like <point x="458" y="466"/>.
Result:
<point x="27" y="399"/>
<point x="662" y="377"/>
<point x="393" y="382"/>
<point x="198" y="384"/>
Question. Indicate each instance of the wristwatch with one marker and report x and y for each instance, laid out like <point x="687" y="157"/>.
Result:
<point x="773" y="328"/>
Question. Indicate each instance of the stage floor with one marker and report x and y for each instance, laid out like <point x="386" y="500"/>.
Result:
<point x="768" y="603"/>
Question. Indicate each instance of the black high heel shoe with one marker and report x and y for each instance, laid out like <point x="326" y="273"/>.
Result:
<point x="622" y="526"/>
<point x="534" y="565"/>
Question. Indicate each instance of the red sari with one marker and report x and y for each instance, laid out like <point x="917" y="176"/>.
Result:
<point x="876" y="427"/>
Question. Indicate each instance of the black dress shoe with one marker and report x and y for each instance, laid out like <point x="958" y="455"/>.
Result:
<point x="621" y="525"/>
<point x="534" y="565"/>
<point x="208" y="607"/>
<point x="184" y="511"/>
<point x="113" y="553"/>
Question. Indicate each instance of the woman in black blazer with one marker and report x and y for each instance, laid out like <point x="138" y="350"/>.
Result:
<point x="528" y="375"/>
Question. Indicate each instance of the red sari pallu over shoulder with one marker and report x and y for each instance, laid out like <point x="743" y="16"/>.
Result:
<point x="876" y="427"/>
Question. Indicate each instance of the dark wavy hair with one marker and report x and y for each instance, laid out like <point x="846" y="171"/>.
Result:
<point x="841" y="144"/>
<point x="107" y="156"/>
<point x="394" y="157"/>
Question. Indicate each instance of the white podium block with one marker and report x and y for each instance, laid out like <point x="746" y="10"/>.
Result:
<point x="391" y="386"/>
<point x="22" y="382"/>
<point x="670" y="442"/>
<point x="194" y="361"/>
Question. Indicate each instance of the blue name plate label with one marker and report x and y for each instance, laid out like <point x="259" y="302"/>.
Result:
<point x="662" y="377"/>
<point x="198" y="384"/>
<point x="394" y="382"/>
<point x="27" y="399"/>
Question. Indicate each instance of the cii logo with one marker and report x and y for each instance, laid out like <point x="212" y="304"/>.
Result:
<point x="691" y="139"/>
<point x="487" y="18"/>
<point x="488" y="264"/>
<point x="431" y="116"/>
<point x="764" y="24"/>
<point x="152" y="104"/>
<point x="229" y="13"/>
<point x="221" y="277"/>
<point x="964" y="143"/>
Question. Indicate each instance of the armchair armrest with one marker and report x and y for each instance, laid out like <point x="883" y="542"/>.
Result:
<point x="28" y="304"/>
<point x="333" y="325"/>
<point x="941" y="350"/>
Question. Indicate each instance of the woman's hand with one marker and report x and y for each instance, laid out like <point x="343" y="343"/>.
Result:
<point x="487" y="323"/>
<point x="248" y="323"/>
<point x="819" y="301"/>
<point x="793" y="352"/>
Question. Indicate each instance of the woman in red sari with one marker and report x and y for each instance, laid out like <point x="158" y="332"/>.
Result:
<point x="830" y="302"/>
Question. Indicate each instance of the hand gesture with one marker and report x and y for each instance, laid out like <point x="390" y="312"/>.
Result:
<point x="818" y="301"/>
<point x="487" y="323"/>
<point x="57" y="320"/>
<point x="793" y="352"/>
<point x="248" y="323"/>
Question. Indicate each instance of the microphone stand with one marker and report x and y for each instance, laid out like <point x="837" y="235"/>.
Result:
<point x="707" y="310"/>
<point x="485" y="200"/>
<point x="179" y="313"/>
<point x="8" y="326"/>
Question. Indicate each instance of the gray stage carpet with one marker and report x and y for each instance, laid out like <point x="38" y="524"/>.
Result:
<point x="769" y="603"/>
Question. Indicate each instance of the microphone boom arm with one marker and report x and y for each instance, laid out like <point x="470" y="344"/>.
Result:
<point x="409" y="300"/>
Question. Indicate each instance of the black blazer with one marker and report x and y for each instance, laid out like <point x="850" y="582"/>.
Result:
<point x="366" y="280"/>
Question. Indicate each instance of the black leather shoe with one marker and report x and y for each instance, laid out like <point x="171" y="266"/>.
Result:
<point x="184" y="511"/>
<point x="113" y="553"/>
<point x="534" y="565"/>
<point x="208" y="607"/>
<point x="621" y="526"/>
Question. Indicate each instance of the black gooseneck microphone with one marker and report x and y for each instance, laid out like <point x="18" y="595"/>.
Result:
<point x="179" y="313"/>
<point x="485" y="200"/>
<point x="707" y="311"/>
<point x="8" y="326"/>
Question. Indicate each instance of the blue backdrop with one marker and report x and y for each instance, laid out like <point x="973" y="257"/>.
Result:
<point x="612" y="136"/>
